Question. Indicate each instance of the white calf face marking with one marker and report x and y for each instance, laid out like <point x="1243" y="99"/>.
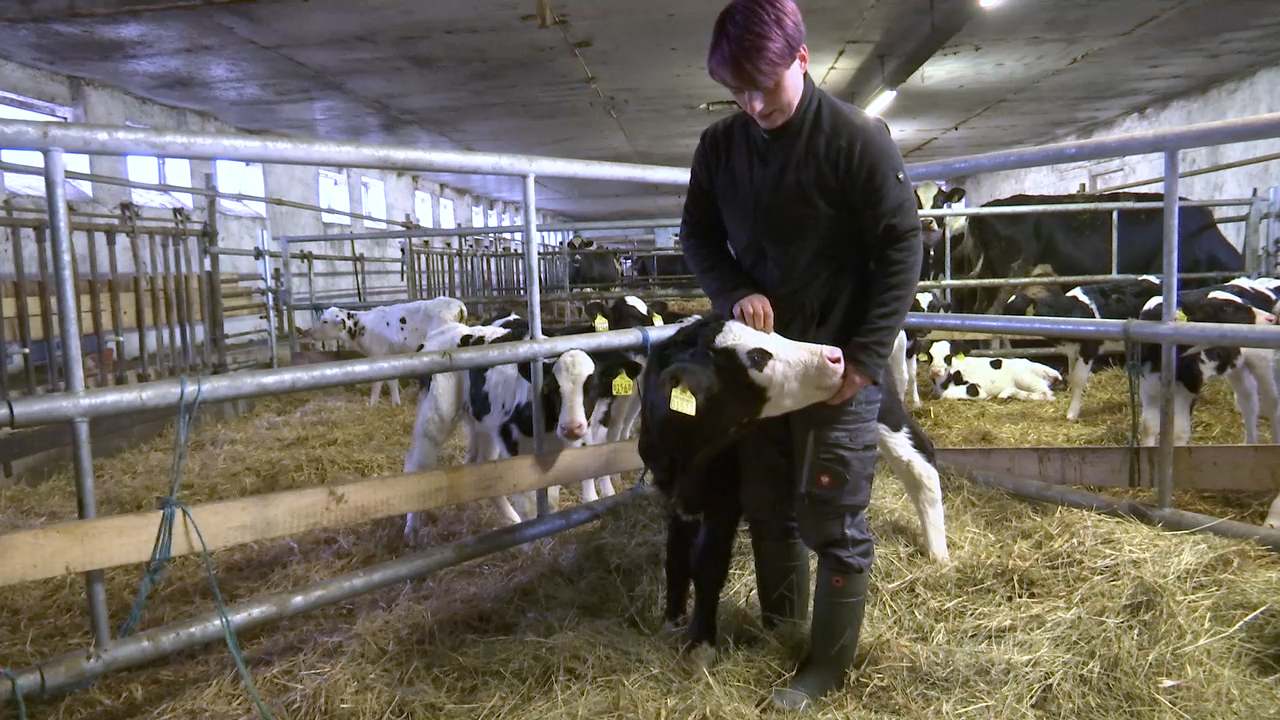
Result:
<point x="638" y="304"/>
<point x="793" y="374"/>
<point x="926" y="300"/>
<point x="1077" y="293"/>
<point x="1260" y="317"/>
<point x="571" y="371"/>
<point x="333" y="323"/>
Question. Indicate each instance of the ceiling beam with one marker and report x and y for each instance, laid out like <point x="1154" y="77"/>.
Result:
<point x="909" y="41"/>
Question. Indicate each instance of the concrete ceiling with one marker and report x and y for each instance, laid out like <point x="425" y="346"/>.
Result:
<point x="623" y="80"/>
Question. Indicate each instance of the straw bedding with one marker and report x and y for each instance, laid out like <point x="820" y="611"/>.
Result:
<point x="1043" y="612"/>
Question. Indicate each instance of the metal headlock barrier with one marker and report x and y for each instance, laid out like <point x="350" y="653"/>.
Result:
<point x="78" y="405"/>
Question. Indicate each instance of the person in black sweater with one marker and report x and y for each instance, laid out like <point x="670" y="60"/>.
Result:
<point x="800" y="219"/>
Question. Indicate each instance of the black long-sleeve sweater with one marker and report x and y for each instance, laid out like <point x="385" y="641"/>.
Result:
<point x="818" y="215"/>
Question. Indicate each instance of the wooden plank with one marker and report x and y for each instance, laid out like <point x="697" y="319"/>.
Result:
<point x="80" y="545"/>
<point x="1196" y="467"/>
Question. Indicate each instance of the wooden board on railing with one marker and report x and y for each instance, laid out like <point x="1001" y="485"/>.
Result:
<point x="80" y="545"/>
<point x="1196" y="467"/>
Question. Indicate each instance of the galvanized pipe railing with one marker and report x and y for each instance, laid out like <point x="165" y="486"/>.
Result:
<point x="69" y="321"/>
<point x="102" y="402"/>
<point x="1224" y="132"/>
<point x="62" y="673"/>
<point x="112" y="140"/>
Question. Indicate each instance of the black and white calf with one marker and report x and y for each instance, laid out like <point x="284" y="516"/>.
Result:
<point x="1250" y="371"/>
<point x="495" y="405"/>
<point x="911" y="344"/>
<point x="1120" y="300"/>
<point x="961" y="377"/>
<point x="700" y="388"/>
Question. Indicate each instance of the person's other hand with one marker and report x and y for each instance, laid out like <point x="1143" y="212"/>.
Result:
<point x="854" y="381"/>
<point x="755" y="311"/>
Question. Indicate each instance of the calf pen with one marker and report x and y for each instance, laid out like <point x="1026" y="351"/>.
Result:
<point x="393" y="496"/>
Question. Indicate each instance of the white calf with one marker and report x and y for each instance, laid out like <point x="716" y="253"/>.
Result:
<point x="388" y="330"/>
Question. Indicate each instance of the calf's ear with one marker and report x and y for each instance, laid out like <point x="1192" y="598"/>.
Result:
<point x="697" y="379"/>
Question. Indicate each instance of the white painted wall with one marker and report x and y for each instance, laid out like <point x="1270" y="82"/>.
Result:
<point x="1255" y="94"/>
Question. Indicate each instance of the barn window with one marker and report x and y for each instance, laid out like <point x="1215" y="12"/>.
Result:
<point x="422" y="208"/>
<point x="241" y="178"/>
<point x="447" y="220"/>
<point x="334" y="195"/>
<point x="16" y="107"/>
<point x="477" y="216"/>
<point x="159" y="171"/>
<point x="373" y="199"/>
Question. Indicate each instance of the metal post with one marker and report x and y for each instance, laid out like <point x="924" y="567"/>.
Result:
<point x="215" y="326"/>
<point x="95" y="304"/>
<point x="117" y="312"/>
<point x="1115" y="242"/>
<point x="140" y="306"/>
<point x="286" y="294"/>
<point x="202" y="293"/>
<point x="1164" y="481"/>
<point x="46" y="307"/>
<point x="535" y="323"/>
<point x="69" y="319"/>
<point x="24" y="310"/>
<point x="1252" y="245"/>
<point x="946" y="258"/>
<point x="268" y="295"/>
<point x="1273" y="236"/>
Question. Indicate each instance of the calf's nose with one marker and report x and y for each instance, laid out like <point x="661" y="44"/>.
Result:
<point x="834" y="357"/>
<point x="573" y="430"/>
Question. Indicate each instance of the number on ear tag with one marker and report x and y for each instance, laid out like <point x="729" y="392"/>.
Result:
<point x="1179" y="316"/>
<point x="682" y="401"/>
<point x="657" y="320"/>
<point x="601" y="323"/>
<point x="623" y="385"/>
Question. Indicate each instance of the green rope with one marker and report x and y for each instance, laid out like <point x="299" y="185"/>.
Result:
<point x="17" y="693"/>
<point x="162" y="551"/>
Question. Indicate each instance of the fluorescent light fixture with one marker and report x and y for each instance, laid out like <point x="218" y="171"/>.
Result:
<point x="986" y="4"/>
<point x="881" y="101"/>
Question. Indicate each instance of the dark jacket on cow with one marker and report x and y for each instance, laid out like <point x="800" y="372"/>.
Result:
<point x="817" y="215"/>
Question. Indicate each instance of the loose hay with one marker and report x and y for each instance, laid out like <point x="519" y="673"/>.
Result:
<point x="1043" y="612"/>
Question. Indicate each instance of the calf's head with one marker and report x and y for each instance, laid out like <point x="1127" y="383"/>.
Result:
<point x="334" y="324"/>
<point x="583" y="381"/>
<point x="713" y="377"/>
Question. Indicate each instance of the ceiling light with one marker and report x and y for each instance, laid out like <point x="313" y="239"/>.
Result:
<point x="881" y="101"/>
<point x="987" y="4"/>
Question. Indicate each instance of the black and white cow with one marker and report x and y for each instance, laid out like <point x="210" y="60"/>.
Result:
<point x="1079" y="243"/>
<point x="958" y="376"/>
<point x="1250" y="371"/>
<point x="1121" y="300"/>
<point x="590" y="264"/>
<point x="734" y="375"/>
<point x="930" y="196"/>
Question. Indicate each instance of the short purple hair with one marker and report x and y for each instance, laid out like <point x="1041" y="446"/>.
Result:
<point x="754" y="42"/>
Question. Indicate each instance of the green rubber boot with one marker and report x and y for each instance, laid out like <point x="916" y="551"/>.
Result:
<point x="782" y="579"/>
<point x="838" y="603"/>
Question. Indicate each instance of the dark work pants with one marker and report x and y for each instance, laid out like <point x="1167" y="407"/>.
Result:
<point x="809" y="473"/>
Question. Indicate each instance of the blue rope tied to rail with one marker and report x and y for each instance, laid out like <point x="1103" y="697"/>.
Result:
<point x="162" y="552"/>
<point x="17" y="693"/>
<point x="644" y="334"/>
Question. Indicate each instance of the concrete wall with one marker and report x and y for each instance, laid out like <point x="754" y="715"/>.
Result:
<point x="1255" y="94"/>
<point x="94" y="103"/>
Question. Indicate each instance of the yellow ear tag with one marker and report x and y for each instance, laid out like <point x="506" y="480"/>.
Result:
<point x="657" y="320"/>
<point x="682" y="401"/>
<point x="601" y="323"/>
<point x="958" y="357"/>
<point x="922" y="357"/>
<point x="1031" y="311"/>
<point x="622" y="385"/>
<point x="1179" y="316"/>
